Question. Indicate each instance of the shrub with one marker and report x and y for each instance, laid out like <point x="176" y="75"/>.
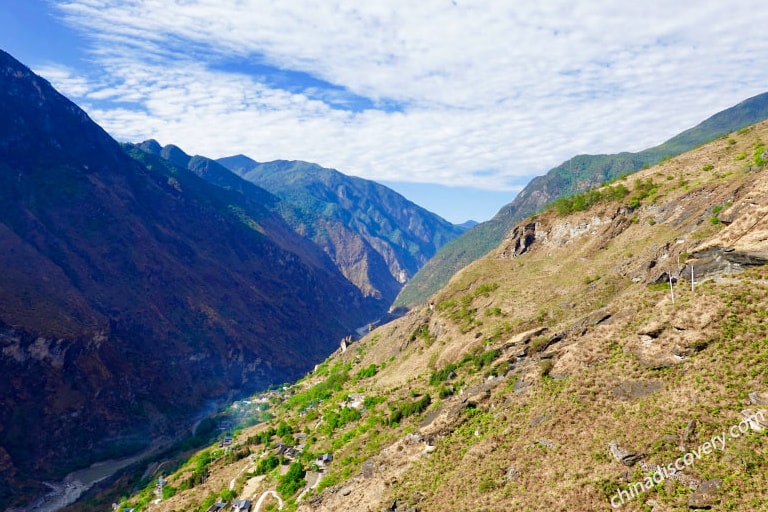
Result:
<point x="487" y="484"/>
<point x="371" y="401"/>
<point x="405" y="409"/>
<point x="368" y="372"/>
<point x="339" y="419"/>
<point x="292" y="481"/>
<point x="585" y="200"/>
<point x="485" y="358"/>
<point x="545" y="367"/>
<point x="486" y="289"/>
<point x="442" y="375"/>
<point x="538" y="344"/>
<point x="267" y="464"/>
<point x="758" y="155"/>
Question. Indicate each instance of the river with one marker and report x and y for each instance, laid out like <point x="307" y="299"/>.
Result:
<point x="78" y="482"/>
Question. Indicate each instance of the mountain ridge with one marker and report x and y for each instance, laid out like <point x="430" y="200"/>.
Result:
<point x="577" y="174"/>
<point x="378" y="238"/>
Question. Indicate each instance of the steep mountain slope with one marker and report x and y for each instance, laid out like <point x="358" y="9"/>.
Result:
<point x="559" y="372"/>
<point x="131" y="295"/>
<point x="377" y="238"/>
<point x="577" y="174"/>
<point x="266" y="205"/>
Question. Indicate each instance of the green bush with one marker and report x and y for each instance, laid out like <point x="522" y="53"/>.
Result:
<point x="484" y="358"/>
<point x="487" y="484"/>
<point x="292" y="481"/>
<point x="339" y="419"/>
<point x="442" y="375"/>
<point x="267" y="464"/>
<point x="538" y="344"/>
<point x="405" y="409"/>
<point x="367" y="372"/>
<point x="758" y="155"/>
<point x="585" y="200"/>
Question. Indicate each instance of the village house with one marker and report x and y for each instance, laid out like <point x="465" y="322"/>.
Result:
<point x="241" y="506"/>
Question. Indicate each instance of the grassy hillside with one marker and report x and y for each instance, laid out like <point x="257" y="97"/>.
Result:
<point x="551" y="374"/>
<point x="575" y="175"/>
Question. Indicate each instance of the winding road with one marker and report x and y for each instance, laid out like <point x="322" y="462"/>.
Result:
<point x="264" y="496"/>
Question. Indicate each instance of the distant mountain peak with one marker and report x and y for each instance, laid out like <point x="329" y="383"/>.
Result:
<point x="151" y="146"/>
<point x="378" y="238"/>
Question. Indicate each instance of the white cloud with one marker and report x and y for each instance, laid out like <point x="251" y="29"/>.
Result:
<point x="505" y="87"/>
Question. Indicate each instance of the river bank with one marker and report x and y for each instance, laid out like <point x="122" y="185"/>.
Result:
<point x="75" y="484"/>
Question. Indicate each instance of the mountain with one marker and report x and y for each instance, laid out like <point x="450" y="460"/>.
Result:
<point x="596" y="345"/>
<point x="377" y="238"/>
<point x="132" y="294"/>
<point x="577" y="174"/>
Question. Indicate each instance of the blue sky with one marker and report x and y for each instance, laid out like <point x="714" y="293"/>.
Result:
<point x="455" y="104"/>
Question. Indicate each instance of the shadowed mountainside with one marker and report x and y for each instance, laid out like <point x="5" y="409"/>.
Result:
<point x="130" y="294"/>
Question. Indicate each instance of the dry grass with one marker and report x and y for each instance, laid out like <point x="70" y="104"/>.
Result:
<point x="551" y="434"/>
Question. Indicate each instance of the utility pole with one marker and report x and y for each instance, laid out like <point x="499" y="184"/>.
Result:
<point x="671" y="289"/>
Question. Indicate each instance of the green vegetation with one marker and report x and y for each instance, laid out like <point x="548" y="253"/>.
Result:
<point x="479" y="359"/>
<point x="758" y="155"/>
<point x="338" y="419"/>
<point x="441" y="376"/>
<point x="422" y="332"/>
<point x="585" y="200"/>
<point x="325" y="389"/>
<point x="367" y="372"/>
<point x="462" y="311"/>
<point x="267" y="464"/>
<point x="292" y="481"/>
<point x="643" y="189"/>
<point x="406" y="408"/>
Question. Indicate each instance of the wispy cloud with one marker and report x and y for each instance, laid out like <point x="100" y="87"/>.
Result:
<point x="480" y="93"/>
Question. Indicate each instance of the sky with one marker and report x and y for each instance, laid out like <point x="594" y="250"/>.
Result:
<point x="456" y="104"/>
